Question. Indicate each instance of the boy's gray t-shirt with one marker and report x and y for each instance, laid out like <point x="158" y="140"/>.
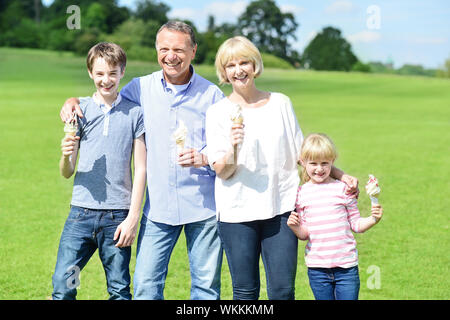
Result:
<point x="103" y="179"/>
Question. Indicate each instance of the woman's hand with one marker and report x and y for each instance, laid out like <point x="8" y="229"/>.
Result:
<point x="237" y="134"/>
<point x="352" y="184"/>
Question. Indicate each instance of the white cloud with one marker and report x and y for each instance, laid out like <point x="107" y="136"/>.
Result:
<point x="183" y="13"/>
<point x="428" y="40"/>
<point x="295" y="10"/>
<point x="364" y="36"/>
<point x="226" y="11"/>
<point x="341" y="6"/>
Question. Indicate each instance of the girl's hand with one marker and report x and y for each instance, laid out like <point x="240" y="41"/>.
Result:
<point x="377" y="212"/>
<point x="237" y="134"/>
<point x="294" y="220"/>
<point x="68" y="145"/>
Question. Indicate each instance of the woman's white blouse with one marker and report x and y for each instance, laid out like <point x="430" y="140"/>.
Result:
<point x="266" y="180"/>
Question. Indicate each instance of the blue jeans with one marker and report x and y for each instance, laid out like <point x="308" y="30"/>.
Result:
<point x="154" y="248"/>
<point x="84" y="232"/>
<point x="272" y="239"/>
<point x="334" y="283"/>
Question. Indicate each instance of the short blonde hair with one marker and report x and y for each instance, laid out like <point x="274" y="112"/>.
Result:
<point x="111" y="52"/>
<point x="237" y="48"/>
<point x="316" y="146"/>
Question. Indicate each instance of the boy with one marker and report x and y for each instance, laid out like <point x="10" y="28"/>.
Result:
<point x="105" y="203"/>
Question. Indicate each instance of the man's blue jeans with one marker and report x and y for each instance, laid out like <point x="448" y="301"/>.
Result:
<point x="334" y="283"/>
<point x="246" y="242"/>
<point x="154" y="248"/>
<point x="84" y="232"/>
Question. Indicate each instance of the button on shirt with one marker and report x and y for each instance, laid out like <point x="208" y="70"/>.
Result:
<point x="175" y="195"/>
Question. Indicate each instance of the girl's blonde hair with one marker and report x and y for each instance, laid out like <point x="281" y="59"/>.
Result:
<point x="316" y="146"/>
<point x="238" y="47"/>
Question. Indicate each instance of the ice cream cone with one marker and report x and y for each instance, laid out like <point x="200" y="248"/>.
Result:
<point x="236" y="115"/>
<point x="71" y="126"/>
<point x="180" y="136"/>
<point x="373" y="189"/>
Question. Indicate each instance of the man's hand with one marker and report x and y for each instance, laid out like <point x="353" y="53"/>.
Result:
<point x="352" y="184"/>
<point x="126" y="233"/>
<point x="67" y="109"/>
<point x="192" y="158"/>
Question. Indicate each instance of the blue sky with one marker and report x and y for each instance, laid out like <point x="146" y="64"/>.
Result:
<point x="398" y="31"/>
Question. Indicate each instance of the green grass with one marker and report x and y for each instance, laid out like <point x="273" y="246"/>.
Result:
<point x="395" y="127"/>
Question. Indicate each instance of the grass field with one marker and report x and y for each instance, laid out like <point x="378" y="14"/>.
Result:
<point x="395" y="127"/>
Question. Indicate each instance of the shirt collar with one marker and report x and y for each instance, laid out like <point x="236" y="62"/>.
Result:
<point x="164" y="82"/>
<point x="100" y="104"/>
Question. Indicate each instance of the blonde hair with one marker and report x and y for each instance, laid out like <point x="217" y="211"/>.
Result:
<point x="111" y="52"/>
<point x="316" y="146"/>
<point x="234" y="48"/>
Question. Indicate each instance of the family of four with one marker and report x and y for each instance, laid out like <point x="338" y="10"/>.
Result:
<point x="235" y="187"/>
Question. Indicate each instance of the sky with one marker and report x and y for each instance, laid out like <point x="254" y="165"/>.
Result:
<point x="396" y="31"/>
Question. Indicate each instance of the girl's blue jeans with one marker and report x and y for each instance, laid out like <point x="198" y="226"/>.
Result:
<point x="244" y="243"/>
<point x="84" y="232"/>
<point x="334" y="283"/>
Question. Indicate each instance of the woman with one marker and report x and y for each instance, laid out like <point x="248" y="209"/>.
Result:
<point x="257" y="176"/>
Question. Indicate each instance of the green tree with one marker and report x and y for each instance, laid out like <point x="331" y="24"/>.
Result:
<point x="151" y="10"/>
<point x="269" y="28"/>
<point x="329" y="51"/>
<point x="444" y="72"/>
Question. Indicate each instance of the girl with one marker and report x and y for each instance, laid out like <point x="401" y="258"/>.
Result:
<point x="325" y="216"/>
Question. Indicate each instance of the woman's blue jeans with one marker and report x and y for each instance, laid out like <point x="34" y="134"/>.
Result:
<point x="271" y="239"/>
<point x="334" y="283"/>
<point x="84" y="232"/>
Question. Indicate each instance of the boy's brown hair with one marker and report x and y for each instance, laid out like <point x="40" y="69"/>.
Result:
<point x="111" y="52"/>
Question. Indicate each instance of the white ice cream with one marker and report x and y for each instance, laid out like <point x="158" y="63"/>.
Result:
<point x="373" y="189"/>
<point x="236" y="114"/>
<point x="180" y="135"/>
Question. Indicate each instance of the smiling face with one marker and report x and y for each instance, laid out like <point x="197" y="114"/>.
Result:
<point x="240" y="73"/>
<point x="318" y="170"/>
<point x="175" y="54"/>
<point x="106" y="79"/>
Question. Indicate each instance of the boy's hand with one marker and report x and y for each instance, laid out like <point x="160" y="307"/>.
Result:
<point x="68" y="145"/>
<point x="126" y="233"/>
<point x="67" y="109"/>
<point x="377" y="212"/>
<point x="192" y="158"/>
<point x="294" y="220"/>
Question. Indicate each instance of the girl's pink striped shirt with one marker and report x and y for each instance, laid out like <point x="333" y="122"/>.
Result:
<point x="330" y="216"/>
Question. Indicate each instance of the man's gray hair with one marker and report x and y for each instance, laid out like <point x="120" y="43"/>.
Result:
<point x="180" y="27"/>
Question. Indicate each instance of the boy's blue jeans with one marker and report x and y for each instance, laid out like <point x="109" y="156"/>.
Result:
<point x="334" y="283"/>
<point x="244" y="243"/>
<point x="84" y="232"/>
<point x="154" y="248"/>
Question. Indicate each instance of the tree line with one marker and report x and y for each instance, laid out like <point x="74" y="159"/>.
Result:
<point x="30" y="24"/>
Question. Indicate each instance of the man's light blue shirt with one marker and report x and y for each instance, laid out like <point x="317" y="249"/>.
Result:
<point x="175" y="195"/>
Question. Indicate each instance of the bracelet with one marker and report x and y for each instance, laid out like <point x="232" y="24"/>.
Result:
<point x="375" y="219"/>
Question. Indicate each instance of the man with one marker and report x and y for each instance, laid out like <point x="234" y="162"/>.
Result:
<point x="180" y="190"/>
